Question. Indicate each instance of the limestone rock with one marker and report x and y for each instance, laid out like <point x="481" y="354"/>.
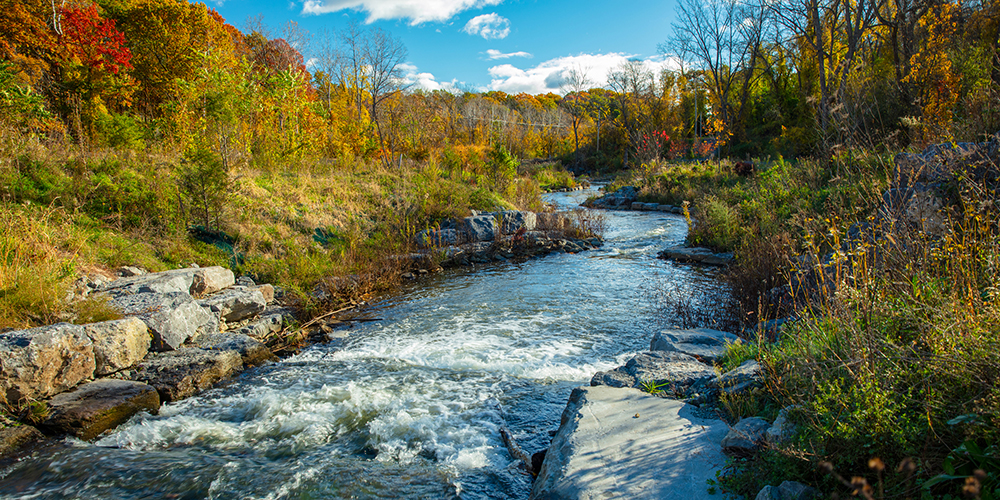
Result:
<point x="512" y="221"/>
<point x="703" y="343"/>
<point x="622" y="198"/>
<point x="746" y="436"/>
<point x="788" y="490"/>
<point x="252" y="351"/>
<point x="192" y="280"/>
<point x="696" y="255"/>
<point x="746" y="376"/>
<point x="44" y="361"/>
<point x="12" y="439"/>
<point x="173" y="318"/>
<point x="782" y="429"/>
<point x="262" y="328"/>
<point x="184" y="372"/>
<point x="676" y="372"/>
<point x="478" y="228"/>
<point x="98" y="406"/>
<point x="624" y="443"/>
<point x="236" y="304"/>
<point x="118" y="344"/>
<point x="433" y="238"/>
<point x="208" y="280"/>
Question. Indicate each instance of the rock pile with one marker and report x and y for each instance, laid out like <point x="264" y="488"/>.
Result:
<point x="183" y="331"/>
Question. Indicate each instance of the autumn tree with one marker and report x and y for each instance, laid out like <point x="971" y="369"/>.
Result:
<point x="931" y="71"/>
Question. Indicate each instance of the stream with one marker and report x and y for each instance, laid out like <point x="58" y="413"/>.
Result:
<point x="409" y="406"/>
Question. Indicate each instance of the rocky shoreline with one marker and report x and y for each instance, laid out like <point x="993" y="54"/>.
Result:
<point x="643" y="431"/>
<point x="185" y="330"/>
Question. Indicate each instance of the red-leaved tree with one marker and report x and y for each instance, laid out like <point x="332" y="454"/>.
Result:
<point x="94" y="40"/>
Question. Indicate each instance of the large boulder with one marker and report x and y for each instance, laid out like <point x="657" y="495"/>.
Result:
<point x="623" y="443"/>
<point x="513" y="221"/>
<point x="118" y="344"/>
<point x="236" y="304"/>
<point x="195" y="280"/>
<point x="673" y="372"/>
<point x="746" y="436"/>
<point x="703" y="343"/>
<point x="478" y="228"/>
<point x="184" y="372"/>
<point x="98" y="406"/>
<point x="696" y="255"/>
<point x="252" y="351"/>
<point x="173" y="318"/>
<point x="44" y="361"/>
<point x="622" y="198"/>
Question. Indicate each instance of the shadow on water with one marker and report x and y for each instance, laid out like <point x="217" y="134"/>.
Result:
<point x="406" y="407"/>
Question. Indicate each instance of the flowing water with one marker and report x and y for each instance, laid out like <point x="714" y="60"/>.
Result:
<point x="405" y="407"/>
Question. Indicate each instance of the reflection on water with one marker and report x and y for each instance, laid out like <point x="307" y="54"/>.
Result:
<point x="407" y="407"/>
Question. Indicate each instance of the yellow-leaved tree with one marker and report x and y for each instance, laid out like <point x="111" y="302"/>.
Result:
<point x="931" y="71"/>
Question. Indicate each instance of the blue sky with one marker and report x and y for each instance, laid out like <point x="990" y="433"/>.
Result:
<point x="509" y="45"/>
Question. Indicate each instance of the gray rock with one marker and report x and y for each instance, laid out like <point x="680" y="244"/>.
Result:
<point x="173" y="318"/>
<point x="44" y="361"/>
<point x="209" y="280"/>
<point x="479" y="228"/>
<point x="665" y="208"/>
<point x="98" y="406"/>
<point x="703" y="343"/>
<point x="184" y="372"/>
<point x="622" y="198"/>
<point x="623" y="443"/>
<point x="696" y="255"/>
<point x="118" y="344"/>
<point x="789" y="490"/>
<point x="262" y="328"/>
<point x="204" y="280"/>
<point x="266" y="290"/>
<point x="637" y="205"/>
<point x="130" y="271"/>
<point x="252" y="351"/>
<point x="236" y="304"/>
<point x="746" y="436"/>
<point x="433" y="238"/>
<point x="512" y="221"/>
<point x="741" y="378"/>
<point x="782" y="429"/>
<point x="674" y="371"/>
<point x="245" y="281"/>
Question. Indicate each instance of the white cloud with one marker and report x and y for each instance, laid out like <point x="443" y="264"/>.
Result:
<point x="493" y="54"/>
<point x="416" y="11"/>
<point x="489" y="26"/>
<point x="549" y="75"/>
<point x="426" y="81"/>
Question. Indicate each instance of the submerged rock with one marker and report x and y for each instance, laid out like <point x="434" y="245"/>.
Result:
<point x="13" y="439"/>
<point x="696" y="255"/>
<point x="98" y="406"/>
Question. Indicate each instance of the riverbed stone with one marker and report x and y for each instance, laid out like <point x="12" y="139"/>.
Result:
<point x="173" y="318"/>
<point x="252" y="351"/>
<point x="622" y="198"/>
<point x="236" y="304"/>
<point x="187" y="371"/>
<point x="704" y="344"/>
<point x="263" y="327"/>
<point x="478" y="228"/>
<point x="13" y="439"/>
<point x="673" y="371"/>
<point x="746" y="436"/>
<point x="512" y="221"/>
<point x="696" y="255"/>
<point x="98" y="406"/>
<point x="44" y="361"/>
<point x="118" y="344"/>
<point x="624" y="443"/>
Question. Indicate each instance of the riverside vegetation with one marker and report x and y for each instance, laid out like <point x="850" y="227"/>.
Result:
<point x="888" y="359"/>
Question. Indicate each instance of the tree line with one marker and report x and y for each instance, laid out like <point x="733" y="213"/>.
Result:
<point x="746" y="78"/>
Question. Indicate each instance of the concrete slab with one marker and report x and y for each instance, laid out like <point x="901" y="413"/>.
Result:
<point x="624" y="443"/>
